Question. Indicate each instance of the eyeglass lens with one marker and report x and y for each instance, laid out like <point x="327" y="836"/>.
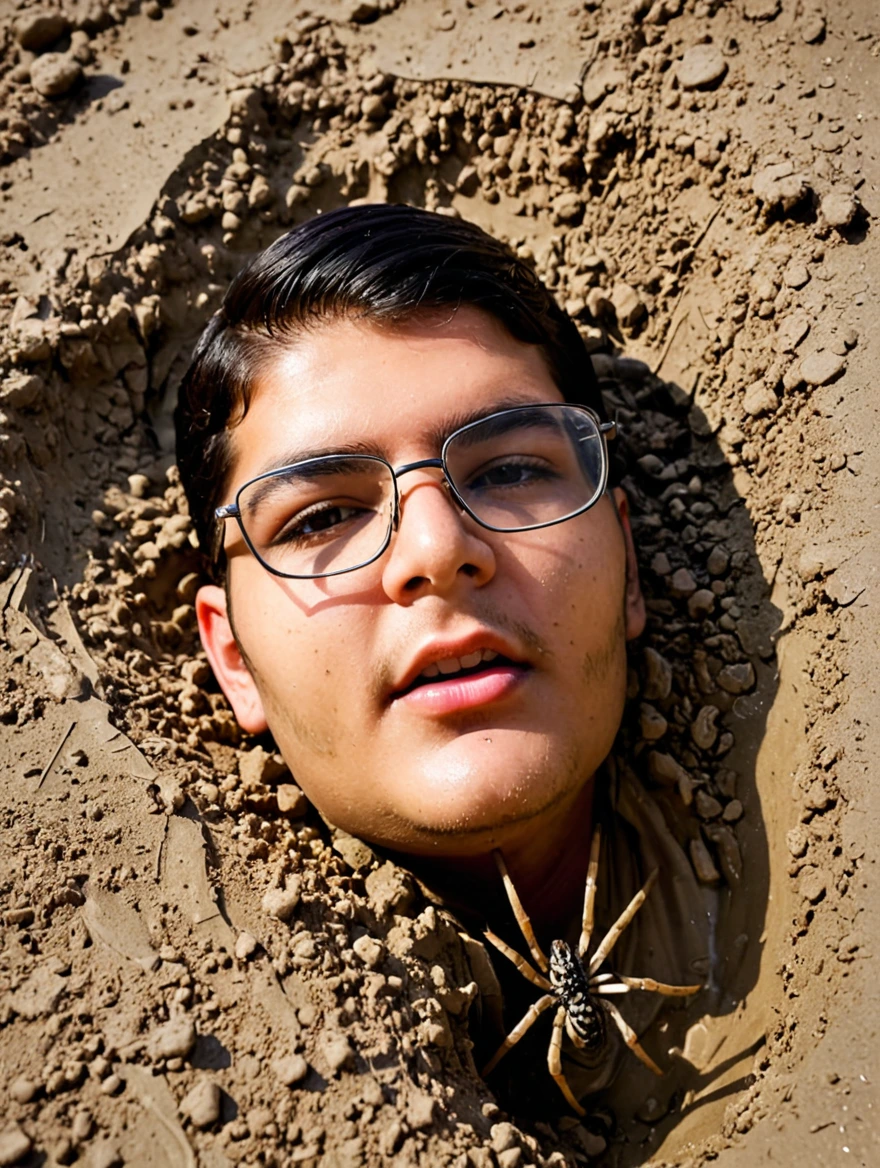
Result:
<point x="519" y="468"/>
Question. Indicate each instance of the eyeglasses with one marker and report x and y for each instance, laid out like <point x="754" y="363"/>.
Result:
<point x="515" y="470"/>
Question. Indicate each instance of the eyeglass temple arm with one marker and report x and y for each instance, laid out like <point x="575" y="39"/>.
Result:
<point x="228" y="511"/>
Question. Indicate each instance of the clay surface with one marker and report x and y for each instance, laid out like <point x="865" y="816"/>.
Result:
<point x="194" y="968"/>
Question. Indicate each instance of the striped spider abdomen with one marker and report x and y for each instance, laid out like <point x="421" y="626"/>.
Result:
<point x="585" y="1016"/>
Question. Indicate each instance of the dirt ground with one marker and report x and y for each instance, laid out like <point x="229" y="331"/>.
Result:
<point x="194" y="968"/>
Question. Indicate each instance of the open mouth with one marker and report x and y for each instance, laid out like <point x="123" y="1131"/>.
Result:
<point x="459" y="669"/>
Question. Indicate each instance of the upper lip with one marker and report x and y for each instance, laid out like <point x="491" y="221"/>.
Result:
<point x="442" y="648"/>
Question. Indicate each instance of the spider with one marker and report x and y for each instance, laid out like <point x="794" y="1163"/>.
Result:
<point x="574" y="985"/>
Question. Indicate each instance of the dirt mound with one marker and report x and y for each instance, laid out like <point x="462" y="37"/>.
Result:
<point x="196" y="968"/>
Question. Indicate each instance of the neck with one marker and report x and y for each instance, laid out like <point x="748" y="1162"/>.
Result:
<point x="547" y="860"/>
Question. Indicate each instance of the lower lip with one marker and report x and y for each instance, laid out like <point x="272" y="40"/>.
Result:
<point x="478" y="689"/>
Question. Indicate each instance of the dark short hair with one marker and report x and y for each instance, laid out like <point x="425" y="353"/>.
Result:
<point x="378" y="262"/>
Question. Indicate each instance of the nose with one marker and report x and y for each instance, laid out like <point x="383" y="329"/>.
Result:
<point x="437" y="547"/>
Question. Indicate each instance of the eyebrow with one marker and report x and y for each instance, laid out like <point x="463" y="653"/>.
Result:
<point x="274" y="480"/>
<point x="436" y="434"/>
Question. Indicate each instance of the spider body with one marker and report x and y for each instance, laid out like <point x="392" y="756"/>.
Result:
<point x="574" y="984"/>
<point x="584" y="1013"/>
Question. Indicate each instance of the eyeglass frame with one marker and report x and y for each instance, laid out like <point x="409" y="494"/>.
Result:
<point x="607" y="432"/>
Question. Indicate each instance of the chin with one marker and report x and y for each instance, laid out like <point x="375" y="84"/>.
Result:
<point x="467" y="796"/>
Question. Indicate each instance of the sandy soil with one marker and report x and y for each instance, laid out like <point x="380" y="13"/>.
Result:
<point x="195" y="969"/>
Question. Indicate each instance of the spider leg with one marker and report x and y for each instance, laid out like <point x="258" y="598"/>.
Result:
<point x="518" y="960"/>
<point x="631" y="1038"/>
<point x="576" y="1039"/>
<point x="554" y="1061"/>
<point x="521" y="915"/>
<point x="531" y="1016"/>
<point x="610" y="987"/>
<point x="658" y="987"/>
<point x="590" y="893"/>
<point x="610" y="939"/>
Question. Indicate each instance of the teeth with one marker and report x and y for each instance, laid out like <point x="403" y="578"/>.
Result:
<point x="456" y="664"/>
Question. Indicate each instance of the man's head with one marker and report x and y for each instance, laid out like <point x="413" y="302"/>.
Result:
<point x="380" y="331"/>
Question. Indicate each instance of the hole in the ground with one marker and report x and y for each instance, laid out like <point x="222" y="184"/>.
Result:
<point x="96" y="429"/>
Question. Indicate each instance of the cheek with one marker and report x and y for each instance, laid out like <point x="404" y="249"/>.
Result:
<point x="583" y="579"/>
<point x="309" y="668"/>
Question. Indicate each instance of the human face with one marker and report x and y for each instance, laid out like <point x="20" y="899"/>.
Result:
<point x="446" y="767"/>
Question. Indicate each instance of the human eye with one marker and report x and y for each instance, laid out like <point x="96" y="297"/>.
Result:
<point x="320" y="521"/>
<point x="512" y="472"/>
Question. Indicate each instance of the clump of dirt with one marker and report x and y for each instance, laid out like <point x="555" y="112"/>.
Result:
<point x="195" y="960"/>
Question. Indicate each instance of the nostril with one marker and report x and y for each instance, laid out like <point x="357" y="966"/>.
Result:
<point x="470" y="570"/>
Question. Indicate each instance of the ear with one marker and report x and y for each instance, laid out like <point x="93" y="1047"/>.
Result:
<point x="634" y="602"/>
<point x="230" y="668"/>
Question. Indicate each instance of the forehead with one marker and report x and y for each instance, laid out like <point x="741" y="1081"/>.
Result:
<point x="394" y="390"/>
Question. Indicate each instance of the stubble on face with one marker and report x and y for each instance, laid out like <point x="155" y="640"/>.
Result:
<point x="597" y="665"/>
<point x="484" y="611"/>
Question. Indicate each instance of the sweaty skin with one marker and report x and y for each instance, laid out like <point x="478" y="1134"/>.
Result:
<point x="318" y="662"/>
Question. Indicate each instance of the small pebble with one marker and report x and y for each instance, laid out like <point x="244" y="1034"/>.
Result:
<point x="201" y="1104"/>
<point x="337" y="1051"/>
<point x="38" y="29"/>
<point x="14" y="1145"/>
<point x="760" y="10"/>
<point x="373" y="108"/>
<point x="759" y="399"/>
<point x="503" y="1137"/>
<point x="701" y="603"/>
<point x="718" y="561"/>
<point x="818" y="798"/>
<point x="796" y="275"/>
<point x="703" y="864"/>
<point x="797" y="841"/>
<point x="813" y="884"/>
<point x="812" y="28"/>
<point x="138" y="485"/>
<point x="707" y="805"/>
<point x="700" y="67"/>
<point x="682" y="585"/>
<point x="291" y="800"/>
<point x="23" y="1090"/>
<point x="652" y="723"/>
<point x="174" y="1039"/>
<point x="839" y="208"/>
<point x="54" y="74"/>
<point x="658" y="676"/>
<point x="733" y="811"/>
<point x="291" y="1069"/>
<point x="282" y="902"/>
<point x="105" y="1154"/>
<point x="83" y="1125"/>
<point x="820" y="368"/>
<point x="738" y="678"/>
<point x="369" y="950"/>
<point x="703" y="728"/>
<point x="245" y="946"/>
